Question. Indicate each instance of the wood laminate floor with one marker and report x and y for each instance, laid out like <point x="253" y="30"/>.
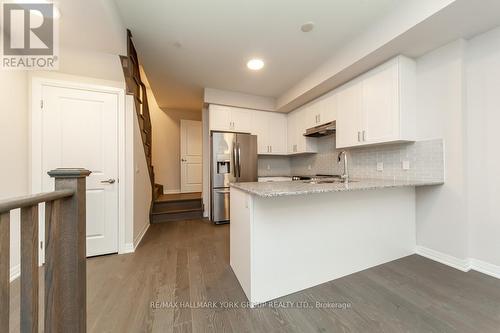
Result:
<point x="187" y="262"/>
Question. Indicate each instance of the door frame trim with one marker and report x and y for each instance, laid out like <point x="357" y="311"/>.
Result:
<point x="36" y="142"/>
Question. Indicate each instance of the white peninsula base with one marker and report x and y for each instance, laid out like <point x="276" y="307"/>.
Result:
<point x="284" y="244"/>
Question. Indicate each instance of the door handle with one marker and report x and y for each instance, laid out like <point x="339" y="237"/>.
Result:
<point x="239" y="161"/>
<point x="235" y="168"/>
<point x="109" y="181"/>
<point x="183" y="160"/>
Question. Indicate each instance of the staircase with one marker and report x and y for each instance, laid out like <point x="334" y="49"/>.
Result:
<point x="164" y="208"/>
<point x="137" y="88"/>
<point x="177" y="207"/>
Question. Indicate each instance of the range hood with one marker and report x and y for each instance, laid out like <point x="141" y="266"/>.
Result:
<point x="321" y="130"/>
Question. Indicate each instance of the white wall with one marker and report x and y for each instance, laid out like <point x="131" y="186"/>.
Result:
<point x="142" y="190"/>
<point x="483" y="146"/>
<point x="166" y="143"/>
<point x="441" y="211"/>
<point x="14" y="131"/>
<point x="459" y="100"/>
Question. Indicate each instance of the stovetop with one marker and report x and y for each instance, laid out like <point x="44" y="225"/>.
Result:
<point x="315" y="177"/>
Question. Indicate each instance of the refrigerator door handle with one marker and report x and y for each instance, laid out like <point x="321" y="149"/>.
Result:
<point x="239" y="160"/>
<point x="235" y="169"/>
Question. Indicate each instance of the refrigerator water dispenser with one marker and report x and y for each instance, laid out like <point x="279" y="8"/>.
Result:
<point x="223" y="167"/>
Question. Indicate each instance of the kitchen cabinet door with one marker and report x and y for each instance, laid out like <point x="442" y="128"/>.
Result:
<point x="310" y="114"/>
<point x="380" y="105"/>
<point x="292" y="143"/>
<point x="260" y="128"/>
<point x="277" y="133"/>
<point x="219" y="118"/>
<point x="271" y="131"/>
<point x="241" y="120"/>
<point x="349" y="115"/>
<point x="328" y="108"/>
<point x="304" y="144"/>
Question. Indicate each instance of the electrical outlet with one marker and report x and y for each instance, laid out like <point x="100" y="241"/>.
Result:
<point x="380" y="166"/>
<point x="309" y="167"/>
<point x="405" y="165"/>
<point x="268" y="167"/>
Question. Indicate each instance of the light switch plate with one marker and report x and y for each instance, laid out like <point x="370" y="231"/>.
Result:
<point x="406" y="165"/>
<point x="268" y="167"/>
<point x="309" y="167"/>
<point x="380" y="166"/>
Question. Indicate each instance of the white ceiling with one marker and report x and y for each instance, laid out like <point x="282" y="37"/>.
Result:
<point x="219" y="36"/>
<point x="91" y="25"/>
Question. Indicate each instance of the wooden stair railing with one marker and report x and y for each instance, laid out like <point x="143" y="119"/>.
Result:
<point x="65" y="256"/>
<point x="137" y="88"/>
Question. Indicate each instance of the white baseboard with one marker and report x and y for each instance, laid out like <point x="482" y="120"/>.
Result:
<point x="139" y="237"/>
<point x="485" y="268"/>
<point x="464" y="265"/>
<point x="15" y="272"/>
<point x="165" y="191"/>
<point x="127" y="248"/>
<point x="446" y="259"/>
<point x="130" y="247"/>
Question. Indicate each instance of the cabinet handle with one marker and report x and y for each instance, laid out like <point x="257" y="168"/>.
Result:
<point x="364" y="135"/>
<point x="319" y="118"/>
<point x="270" y="149"/>
<point x="359" y="136"/>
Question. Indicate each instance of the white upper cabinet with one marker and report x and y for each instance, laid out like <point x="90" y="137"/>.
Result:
<point x="242" y="120"/>
<point x="219" y="118"/>
<point x="349" y="115"/>
<point x="379" y="106"/>
<point x="227" y="118"/>
<point x="328" y="108"/>
<point x="297" y="123"/>
<point x="321" y="111"/>
<point x="271" y="131"/>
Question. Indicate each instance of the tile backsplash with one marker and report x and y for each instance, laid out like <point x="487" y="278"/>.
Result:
<point x="424" y="160"/>
<point x="274" y="166"/>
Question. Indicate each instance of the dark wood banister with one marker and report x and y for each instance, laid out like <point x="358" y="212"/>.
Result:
<point x="137" y="88"/>
<point x="65" y="256"/>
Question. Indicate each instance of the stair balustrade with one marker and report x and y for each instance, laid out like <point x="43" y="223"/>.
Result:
<point x="65" y="256"/>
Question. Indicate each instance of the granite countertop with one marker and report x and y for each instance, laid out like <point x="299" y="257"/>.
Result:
<point x="298" y="187"/>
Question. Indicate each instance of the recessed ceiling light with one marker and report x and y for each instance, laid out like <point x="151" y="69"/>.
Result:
<point x="255" y="64"/>
<point x="307" y="27"/>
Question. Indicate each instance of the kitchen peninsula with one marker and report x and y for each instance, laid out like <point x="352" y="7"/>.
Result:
<point x="289" y="236"/>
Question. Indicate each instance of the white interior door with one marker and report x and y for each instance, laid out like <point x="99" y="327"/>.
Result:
<point x="80" y="130"/>
<point x="191" y="156"/>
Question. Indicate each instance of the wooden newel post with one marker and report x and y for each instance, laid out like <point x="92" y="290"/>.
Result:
<point x="65" y="256"/>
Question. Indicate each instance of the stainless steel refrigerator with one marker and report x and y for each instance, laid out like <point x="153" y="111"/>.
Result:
<point x="233" y="159"/>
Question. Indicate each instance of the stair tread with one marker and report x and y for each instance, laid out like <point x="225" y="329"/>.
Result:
<point x="179" y="197"/>
<point x="178" y="211"/>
